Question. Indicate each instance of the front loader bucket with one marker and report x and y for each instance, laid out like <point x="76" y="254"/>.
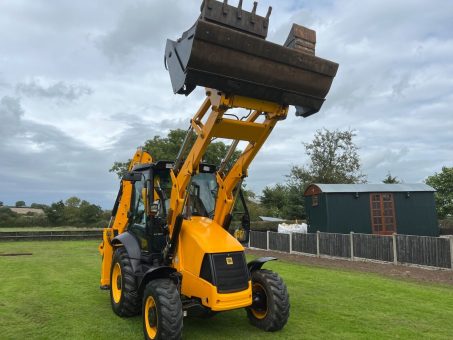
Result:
<point x="226" y="50"/>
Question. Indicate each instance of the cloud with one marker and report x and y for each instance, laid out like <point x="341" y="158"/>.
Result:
<point x="42" y="161"/>
<point x="3" y="83"/>
<point x="59" y="90"/>
<point x="142" y="26"/>
<point x="104" y="61"/>
<point x="10" y="113"/>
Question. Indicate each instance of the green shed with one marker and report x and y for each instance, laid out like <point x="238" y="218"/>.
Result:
<point x="381" y="209"/>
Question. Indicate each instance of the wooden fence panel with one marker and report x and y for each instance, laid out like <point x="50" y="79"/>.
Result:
<point x="304" y="243"/>
<point x="373" y="247"/>
<point x="335" y="244"/>
<point x="258" y="239"/>
<point x="279" y="241"/>
<point x="423" y="250"/>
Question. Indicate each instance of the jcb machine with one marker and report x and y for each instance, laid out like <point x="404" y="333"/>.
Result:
<point x="167" y="252"/>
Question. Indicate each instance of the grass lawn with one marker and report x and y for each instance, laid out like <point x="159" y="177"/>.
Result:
<point x="55" y="294"/>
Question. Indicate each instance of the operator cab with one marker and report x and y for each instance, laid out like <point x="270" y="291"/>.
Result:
<point x="150" y="204"/>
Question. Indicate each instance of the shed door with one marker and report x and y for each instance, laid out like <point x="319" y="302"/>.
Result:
<point x="382" y="213"/>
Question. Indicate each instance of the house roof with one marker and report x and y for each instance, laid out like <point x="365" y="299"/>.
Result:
<point x="26" y="210"/>
<point x="316" y="188"/>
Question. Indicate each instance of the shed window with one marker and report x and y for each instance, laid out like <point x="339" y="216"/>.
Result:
<point x="382" y="213"/>
<point x="314" y="200"/>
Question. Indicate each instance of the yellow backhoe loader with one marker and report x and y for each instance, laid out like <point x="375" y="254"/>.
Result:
<point x="167" y="251"/>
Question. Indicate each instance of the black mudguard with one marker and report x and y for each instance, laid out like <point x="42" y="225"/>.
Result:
<point x="258" y="263"/>
<point x="161" y="272"/>
<point x="132" y="246"/>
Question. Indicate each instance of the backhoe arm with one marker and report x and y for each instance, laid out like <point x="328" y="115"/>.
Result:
<point x="119" y="220"/>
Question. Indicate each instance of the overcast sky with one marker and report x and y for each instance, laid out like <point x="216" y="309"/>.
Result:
<point x="82" y="84"/>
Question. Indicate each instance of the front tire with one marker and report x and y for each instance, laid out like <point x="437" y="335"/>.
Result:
<point x="270" y="308"/>
<point x="123" y="287"/>
<point x="162" y="311"/>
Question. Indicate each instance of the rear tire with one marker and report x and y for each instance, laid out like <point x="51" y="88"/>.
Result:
<point x="270" y="308"/>
<point x="123" y="287"/>
<point x="162" y="311"/>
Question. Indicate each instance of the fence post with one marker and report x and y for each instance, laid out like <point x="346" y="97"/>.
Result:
<point x="395" y="255"/>
<point x="290" y="242"/>
<point x="351" y="237"/>
<point x="250" y="239"/>
<point x="317" y="243"/>
<point x="267" y="240"/>
<point x="451" y="251"/>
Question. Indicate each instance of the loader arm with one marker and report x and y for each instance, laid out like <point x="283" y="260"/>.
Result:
<point x="215" y="124"/>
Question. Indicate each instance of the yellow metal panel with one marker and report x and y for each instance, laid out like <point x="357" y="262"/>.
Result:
<point x="140" y="157"/>
<point x="209" y="235"/>
<point x="194" y="286"/>
<point x="236" y="129"/>
<point x="251" y="104"/>
<point x="105" y="248"/>
<point x="201" y="235"/>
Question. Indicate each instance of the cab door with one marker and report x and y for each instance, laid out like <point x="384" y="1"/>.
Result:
<point x="138" y="220"/>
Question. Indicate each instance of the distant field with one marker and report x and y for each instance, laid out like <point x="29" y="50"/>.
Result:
<point x="68" y="228"/>
<point x="54" y="294"/>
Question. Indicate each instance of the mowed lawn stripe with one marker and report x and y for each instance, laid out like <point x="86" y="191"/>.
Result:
<point x="55" y="294"/>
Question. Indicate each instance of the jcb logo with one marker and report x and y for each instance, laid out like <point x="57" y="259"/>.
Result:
<point x="229" y="260"/>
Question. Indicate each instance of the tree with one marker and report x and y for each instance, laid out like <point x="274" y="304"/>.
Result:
<point x="389" y="179"/>
<point x="295" y="201"/>
<point x="255" y="209"/>
<point x="56" y="213"/>
<point x="7" y="217"/>
<point x="38" y="206"/>
<point x="284" y="200"/>
<point x="72" y="211"/>
<point x="1" y="204"/>
<point x="334" y="158"/>
<point x="167" y="148"/>
<point x="73" y="202"/>
<point x="443" y="183"/>
<point x="274" y="200"/>
<point x="20" y="204"/>
<point x="89" y="213"/>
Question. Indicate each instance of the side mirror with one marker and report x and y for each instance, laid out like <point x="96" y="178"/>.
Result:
<point x="132" y="176"/>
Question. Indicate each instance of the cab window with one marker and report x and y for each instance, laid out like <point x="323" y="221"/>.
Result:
<point x="203" y="195"/>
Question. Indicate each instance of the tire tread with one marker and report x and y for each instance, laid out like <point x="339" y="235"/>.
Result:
<point x="168" y="301"/>
<point x="130" y="304"/>
<point x="278" y="311"/>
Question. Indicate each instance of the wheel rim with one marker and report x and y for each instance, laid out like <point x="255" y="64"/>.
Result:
<point x="259" y="307"/>
<point x="116" y="283"/>
<point x="151" y="317"/>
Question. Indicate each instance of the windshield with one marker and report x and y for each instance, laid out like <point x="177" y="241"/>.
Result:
<point x="162" y="187"/>
<point x="203" y="194"/>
